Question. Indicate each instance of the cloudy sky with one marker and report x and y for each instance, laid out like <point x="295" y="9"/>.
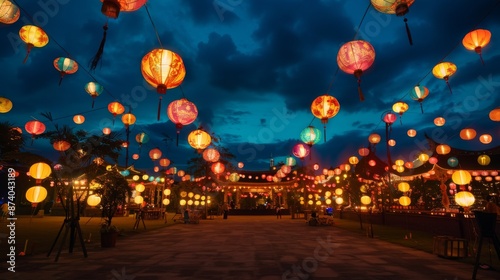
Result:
<point x="253" y="69"/>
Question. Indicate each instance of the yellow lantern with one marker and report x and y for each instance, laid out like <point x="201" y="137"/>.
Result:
<point x="339" y="200"/>
<point x="403" y="187"/>
<point x="461" y="177"/>
<point x="140" y="187"/>
<point x="166" y="201"/>
<point x="128" y="119"/>
<point x="353" y="160"/>
<point x="5" y="105"/>
<point x="36" y="194"/>
<point x="199" y="139"/>
<point x="33" y="36"/>
<point x="182" y="202"/>
<point x="404" y="200"/>
<point x="399" y="162"/>
<point x="338" y="191"/>
<point x="145" y="177"/>
<point x="365" y="200"/>
<point x="443" y="149"/>
<point x="400" y="168"/>
<point x="483" y="159"/>
<point x="167" y="192"/>
<point x="423" y="157"/>
<point x="138" y="199"/>
<point x="400" y="107"/>
<point x="465" y="199"/>
<point x="40" y="171"/>
<point x="93" y="200"/>
<point x="9" y="12"/>
<point x="444" y="70"/>
<point x="467" y="133"/>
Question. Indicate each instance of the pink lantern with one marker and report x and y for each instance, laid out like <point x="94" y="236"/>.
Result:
<point x="301" y="150"/>
<point x="182" y="112"/>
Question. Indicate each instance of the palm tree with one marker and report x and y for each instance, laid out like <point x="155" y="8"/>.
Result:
<point x="11" y="141"/>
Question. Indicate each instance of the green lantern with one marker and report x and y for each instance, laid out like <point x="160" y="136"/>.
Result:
<point x="310" y="135"/>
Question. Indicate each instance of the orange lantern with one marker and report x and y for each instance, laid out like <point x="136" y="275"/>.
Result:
<point x="325" y="107"/>
<point x="476" y="40"/>
<point x="9" y="12"/>
<point x="423" y="157"/>
<point x="65" y="66"/>
<point x="444" y="70"/>
<point x="495" y="114"/>
<point x="419" y="93"/>
<point x="33" y="36"/>
<point x="485" y="138"/>
<point x="182" y="112"/>
<point x="61" y="145"/>
<point x="398" y="7"/>
<point x="439" y="121"/>
<point x="411" y="133"/>
<point x="34" y="128"/>
<point x="5" y="105"/>
<point x="353" y="160"/>
<point x="164" y="162"/>
<point x="241" y="164"/>
<point x="372" y="163"/>
<point x="79" y="119"/>
<point x="106" y="131"/>
<point x="116" y="108"/>
<point x="94" y="90"/>
<point x="163" y="69"/>
<point x="199" y="139"/>
<point x="128" y="119"/>
<point x="467" y="133"/>
<point x="391" y="142"/>
<point x="135" y="156"/>
<point x="404" y="200"/>
<point x="409" y="164"/>
<point x="374" y="138"/>
<point x="363" y="152"/>
<point x="211" y="155"/>
<point x="354" y="57"/>
<point x="217" y="168"/>
<point x="155" y="154"/>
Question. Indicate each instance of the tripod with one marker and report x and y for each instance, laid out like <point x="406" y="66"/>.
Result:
<point x="139" y="216"/>
<point x="72" y="225"/>
<point x="486" y="223"/>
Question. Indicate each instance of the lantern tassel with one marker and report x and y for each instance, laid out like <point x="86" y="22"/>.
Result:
<point x="177" y="142"/>
<point x="98" y="55"/>
<point x="481" y="57"/>
<point x="449" y="87"/>
<point x="61" y="78"/>
<point x="324" y="133"/>
<point x="360" y="92"/>
<point x="408" y="32"/>
<point x="159" y="108"/>
<point x="421" y="108"/>
<point x="93" y="102"/>
<point x="29" y="47"/>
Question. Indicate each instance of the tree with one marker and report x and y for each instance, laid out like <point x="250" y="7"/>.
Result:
<point x="11" y="141"/>
<point x="113" y="190"/>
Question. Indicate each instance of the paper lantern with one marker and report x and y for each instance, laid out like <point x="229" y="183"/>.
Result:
<point x="164" y="162"/>
<point x="485" y="138"/>
<point x="217" y="168"/>
<point x="182" y="112"/>
<point x="128" y="119"/>
<point x="484" y="159"/>
<point x="65" y="66"/>
<point x="162" y="69"/>
<point x="409" y="164"/>
<point x="403" y="187"/>
<point x="106" y="131"/>
<point x="353" y="160"/>
<point x="112" y="8"/>
<point x="135" y="156"/>
<point x="140" y="187"/>
<point x="411" y="133"/>
<point x="404" y="200"/>
<point x="444" y="70"/>
<point x="397" y="7"/>
<point x="461" y="177"/>
<point x="310" y="135"/>
<point x="467" y="133"/>
<point x="141" y="138"/>
<point x="423" y="157"/>
<point x="391" y="142"/>
<point x="325" y="107"/>
<point x="9" y="12"/>
<point x="476" y="40"/>
<point x="138" y="199"/>
<point x="241" y="164"/>
<point x="365" y="200"/>
<point x="354" y="57"/>
<point x="79" y="119"/>
<point x="36" y="194"/>
<point x="338" y="191"/>
<point x="495" y="115"/>
<point x="199" y="139"/>
<point x="234" y="177"/>
<point x="166" y="201"/>
<point x="94" y="90"/>
<point x="400" y="107"/>
<point x="155" y="154"/>
<point x="301" y="150"/>
<point x="116" y="108"/>
<point x="61" y="145"/>
<point x="34" y="128"/>
<point x="419" y="93"/>
<point x="5" y="105"/>
<point x="372" y="163"/>
<point x="400" y="168"/>
<point x="465" y="199"/>
<point x="40" y="170"/>
<point x="339" y="200"/>
<point x="443" y="149"/>
<point x="363" y="152"/>
<point x="374" y="138"/>
<point x="93" y="200"/>
<point x="439" y="121"/>
<point x="211" y="155"/>
<point x="399" y="162"/>
<point x="433" y="160"/>
<point x="452" y="161"/>
<point x="33" y="36"/>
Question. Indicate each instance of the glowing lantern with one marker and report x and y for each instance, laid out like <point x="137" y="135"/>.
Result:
<point x="40" y="171"/>
<point x="138" y="199"/>
<point x="403" y="187"/>
<point x="5" y="105"/>
<point x="93" y="200"/>
<point x="218" y="168"/>
<point x="419" y="93"/>
<point x="166" y="201"/>
<point x="408" y="164"/>
<point x="397" y="7"/>
<point x="399" y="162"/>
<point x="467" y="134"/>
<point x="353" y="160"/>
<point x="241" y="164"/>
<point x="140" y="187"/>
<point x="372" y="163"/>
<point x="476" y="40"/>
<point x="461" y="177"/>
<point x="116" y="108"/>
<point x="443" y="149"/>
<point x="495" y="115"/>
<point x="404" y="200"/>
<point x="33" y="36"/>
<point x="465" y="199"/>
<point x="483" y="159"/>
<point x="142" y="138"/>
<point x="79" y="119"/>
<point x="444" y="70"/>
<point x="164" y="162"/>
<point x="34" y="128"/>
<point x="452" y="161"/>
<point x="423" y="157"/>
<point x="338" y="191"/>
<point x="400" y="169"/>
<point x="36" y="194"/>
<point x="354" y="57"/>
<point x="234" y="177"/>
<point x="286" y="169"/>
<point x="433" y="160"/>
<point x="61" y="145"/>
<point x="9" y="12"/>
<point x="94" y="90"/>
<point x="339" y="200"/>
<point x="199" y="139"/>
<point x="365" y="200"/>
<point x="106" y="131"/>
<point x="135" y="156"/>
<point x="300" y="150"/>
<point x="439" y="121"/>
<point x="310" y="135"/>
<point x="389" y="118"/>
<point x="400" y="108"/>
<point x="182" y="112"/>
<point x="65" y="66"/>
<point x="324" y="108"/>
<point x="411" y="132"/>
<point x="485" y="138"/>
<point x="363" y="152"/>
<point x="391" y="142"/>
<point x="155" y="154"/>
<point x="315" y="166"/>
<point x="374" y="138"/>
<point x="163" y="69"/>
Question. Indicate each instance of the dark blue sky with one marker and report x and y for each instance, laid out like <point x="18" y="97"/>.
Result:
<point x="253" y="69"/>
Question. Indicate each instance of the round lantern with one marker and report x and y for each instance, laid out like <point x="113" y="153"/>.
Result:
<point x="372" y="163"/>
<point x="79" y="119"/>
<point x="495" y="115"/>
<point x="443" y="149"/>
<point x="181" y="173"/>
<point x="9" y="12"/>
<point x="142" y="138"/>
<point x="452" y="161"/>
<point x="40" y="171"/>
<point x="399" y="162"/>
<point x="140" y="187"/>
<point x="403" y="187"/>
<point x="400" y="168"/>
<point x="217" y="168"/>
<point x="485" y="138"/>
<point x="300" y="150"/>
<point x="93" y="89"/>
<point x="374" y="138"/>
<point x="423" y="157"/>
<point x="365" y="200"/>
<point x="106" y="131"/>
<point x="404" y="200"/>
<point x="400" y="107"/>
<point x="116" y="108"/>
<point x="310" y="135"/>
<point x="182" y="112"/>
<point x="65" y="66"/>
<point x="166" y="201"/>
<point x="439" y="121"/>
<point x="391" y="142"/>
<point x="339" y="200"/>
<point x="411" y="132"/>
<point x="476" y="40"/>
<point x="34" y="128"/>
<point x="36" y="194"/>
<point x="444" y="70"/>
<point x="93" y="200"/>
<point x="286" y="169"/>
<point x="241" y="164"/>
<point x="199" y="139"/>
<point x="433" y="160"/>
<point x="164" y="162"/>
<point x="461" y="177"/>
<point x="155" y="154"/>
<point x="33" y="36"/>
<point x="325" y="107"/>
<point x="138" y="199"/>
<point x="363" y="152"/>
<point x="162" y="69"/>
<point x="467" y="133"/>
<point x="408" y="164"/>
<point x="389" y="118"/>
<point x="290" y="161"/>
<point x="397" y="7"/>
<point x="315" y="166"/>
<point x="5" y="105"/>
<point x="61" y="145"/>
<point x="354" y="57"/>
<point x="483" y="159"/>
<point x="465" y="199"/>
<point x="112" y="8"/>
<point x="353" y="160"/>
<point x="338" y="191"/>
<point x="128" y="119"/>
<point x="234" y="177"/>
<point x="419" y="93"/>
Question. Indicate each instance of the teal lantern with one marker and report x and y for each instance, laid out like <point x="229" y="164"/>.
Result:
<point x="310" y="135"/>
<point x="419" y="93"/>
<point x="141" y="138"/>
<point x="291" y="161"/>
<point x="65" y="66"/>
<point x="452" y="161"/>
<point x="94" y="90"/>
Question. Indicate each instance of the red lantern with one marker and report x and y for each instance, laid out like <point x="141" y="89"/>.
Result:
<point x="363" y="152"/>
<point x="211" y="155"/>
<point x="65" y="66"/>
<point x="182" y="112"/>
<point x="389" y="118"/>
<point x="354" y="57"/>
<point x="34" y="128"/>
<point x="164" y="162"/>
<point x="115" y="108"/>
<point x="155" y="154"/>
<point x="301" y="150"/>
<point x="218" y="168"/>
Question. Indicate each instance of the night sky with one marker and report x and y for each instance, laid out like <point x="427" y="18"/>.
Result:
<point x="253" y="69"/>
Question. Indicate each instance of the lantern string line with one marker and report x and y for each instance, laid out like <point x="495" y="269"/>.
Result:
<point x="362" y="19"/>
<point x="154" y="26"/>
<point x="79" y="113"/>
<point x="80" y="65"/>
